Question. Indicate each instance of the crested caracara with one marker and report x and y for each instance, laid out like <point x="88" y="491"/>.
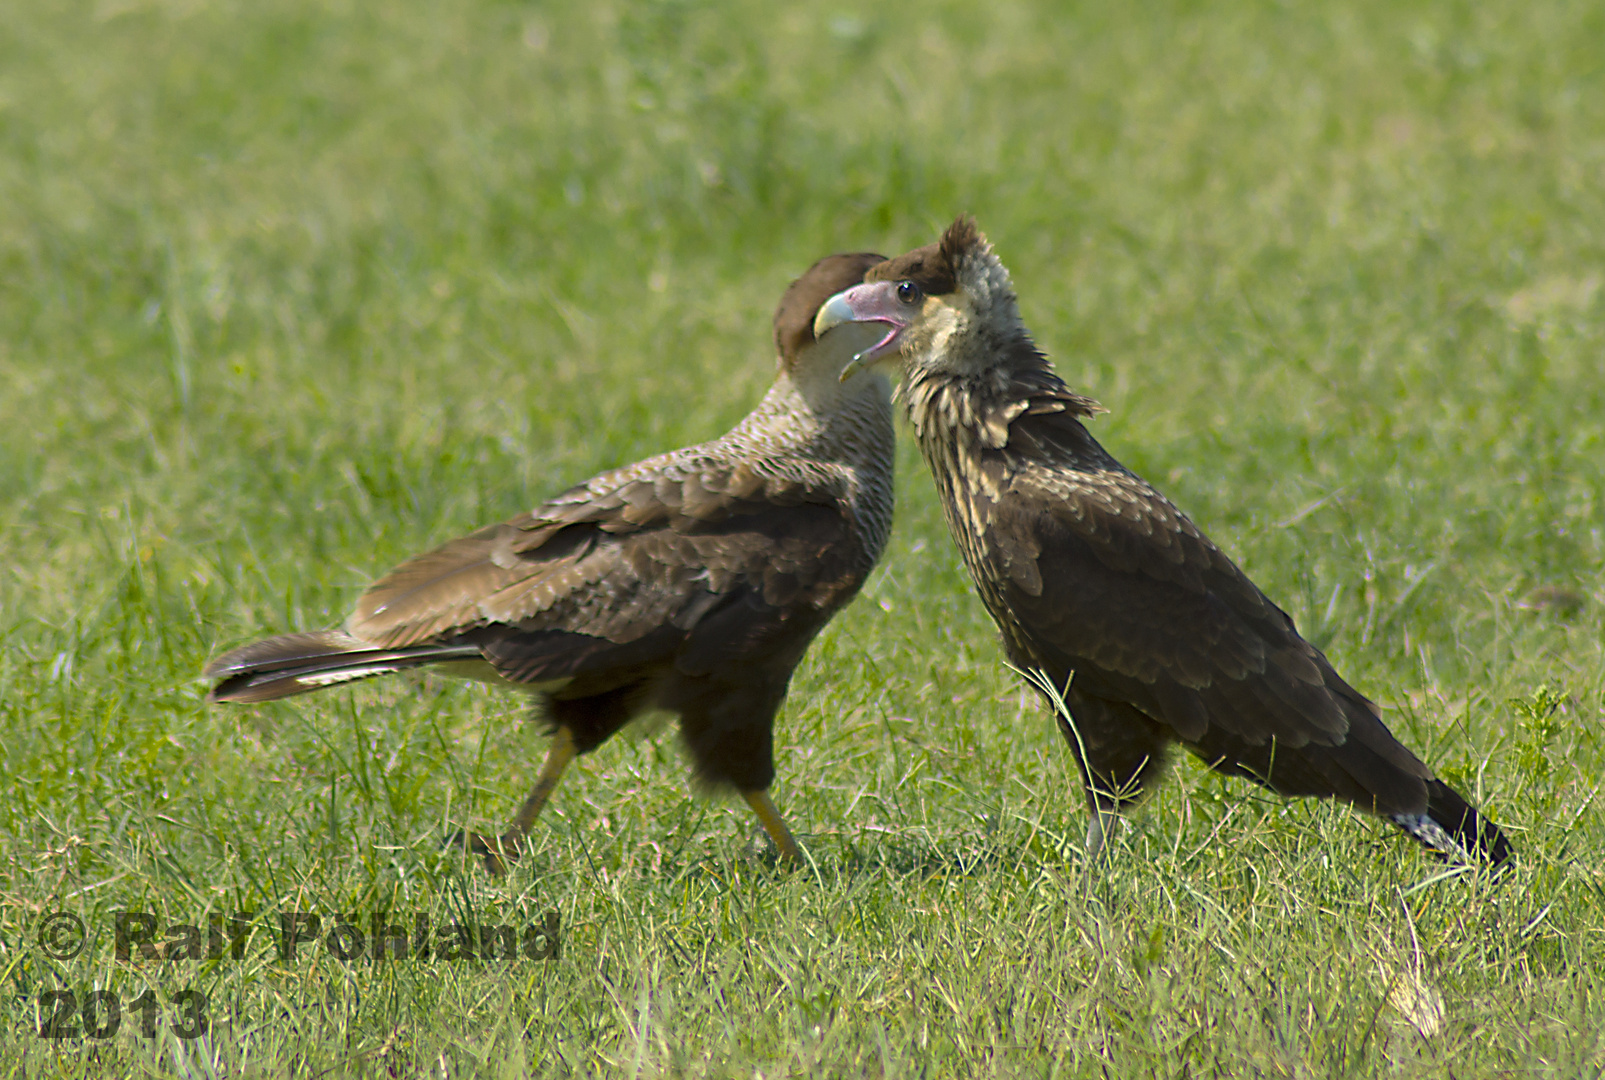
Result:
<point x="1102" y="587"/>
<point x="691" y="582"/>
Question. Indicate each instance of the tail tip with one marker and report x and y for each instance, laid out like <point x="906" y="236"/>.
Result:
<point x="1468" y="838"/>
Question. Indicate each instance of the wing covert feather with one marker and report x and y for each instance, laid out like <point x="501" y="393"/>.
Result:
<point x="621" y="556"/>
<point x="1128" y="591"/>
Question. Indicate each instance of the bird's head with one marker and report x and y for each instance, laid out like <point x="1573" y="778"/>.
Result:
<point x="802" y="355"/>
<point x="946" y="308"/>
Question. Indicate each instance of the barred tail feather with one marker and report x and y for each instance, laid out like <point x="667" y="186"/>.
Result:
<point x="290" y="664"/>
<point x="1452" y="827"/>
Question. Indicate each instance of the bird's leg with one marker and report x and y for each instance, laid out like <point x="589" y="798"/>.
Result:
<point x="1105" y="803"/>
<point x="1122" y="753"/>
<point x="507" y="846"/>
<point x="764" y="806"/>
<point x="557" y="760"/>
<point x="1103" y="826"/>
<point x="1103" y="821"/>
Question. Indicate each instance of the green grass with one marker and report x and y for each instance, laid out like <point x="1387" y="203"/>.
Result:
<point x="289" y="291"/>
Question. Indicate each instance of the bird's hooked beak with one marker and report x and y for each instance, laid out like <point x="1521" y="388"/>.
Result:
<point x="870" y="302"/>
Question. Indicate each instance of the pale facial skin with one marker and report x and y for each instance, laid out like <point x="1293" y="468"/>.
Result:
<point x="918" y="328"/>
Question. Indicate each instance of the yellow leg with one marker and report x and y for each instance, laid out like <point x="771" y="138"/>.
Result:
<point x="497" y="852"/>
<point x="764" y="806"/>
<point x="557" y="759"/>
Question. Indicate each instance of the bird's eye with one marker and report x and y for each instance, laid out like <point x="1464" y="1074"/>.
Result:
<point x="908" y="292"/>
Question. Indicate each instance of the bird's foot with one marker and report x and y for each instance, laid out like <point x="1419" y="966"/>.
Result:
<point x="496" y="852"/>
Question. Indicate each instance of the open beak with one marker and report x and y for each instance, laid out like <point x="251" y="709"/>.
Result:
<point x="870" y="302"/>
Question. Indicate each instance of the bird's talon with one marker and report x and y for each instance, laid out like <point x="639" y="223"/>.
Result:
<point x="496" y="852"/>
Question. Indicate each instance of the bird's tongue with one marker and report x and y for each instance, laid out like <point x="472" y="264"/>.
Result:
<point x="879" y="349"/>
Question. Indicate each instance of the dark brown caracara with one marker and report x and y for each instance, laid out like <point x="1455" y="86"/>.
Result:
<point x="1090" y="572"/>
<point x="691" y="582"/>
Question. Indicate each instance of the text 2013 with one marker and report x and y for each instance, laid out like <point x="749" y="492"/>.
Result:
<point x="98" y="1014"/>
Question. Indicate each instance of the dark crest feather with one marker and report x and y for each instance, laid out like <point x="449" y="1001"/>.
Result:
<point x="935" y="267"/>
<point x="794" y="318"/>
<point x="960" y="241"/>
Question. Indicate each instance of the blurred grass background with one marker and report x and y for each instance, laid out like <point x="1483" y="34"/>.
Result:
<point x="291" y="290"/>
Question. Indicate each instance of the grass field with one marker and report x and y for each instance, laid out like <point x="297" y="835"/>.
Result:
<point x="291" y="290"/>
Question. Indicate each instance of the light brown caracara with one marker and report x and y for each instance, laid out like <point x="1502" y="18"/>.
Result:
<point x="1101" y="585"/>
<point x="691" y="582"/>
